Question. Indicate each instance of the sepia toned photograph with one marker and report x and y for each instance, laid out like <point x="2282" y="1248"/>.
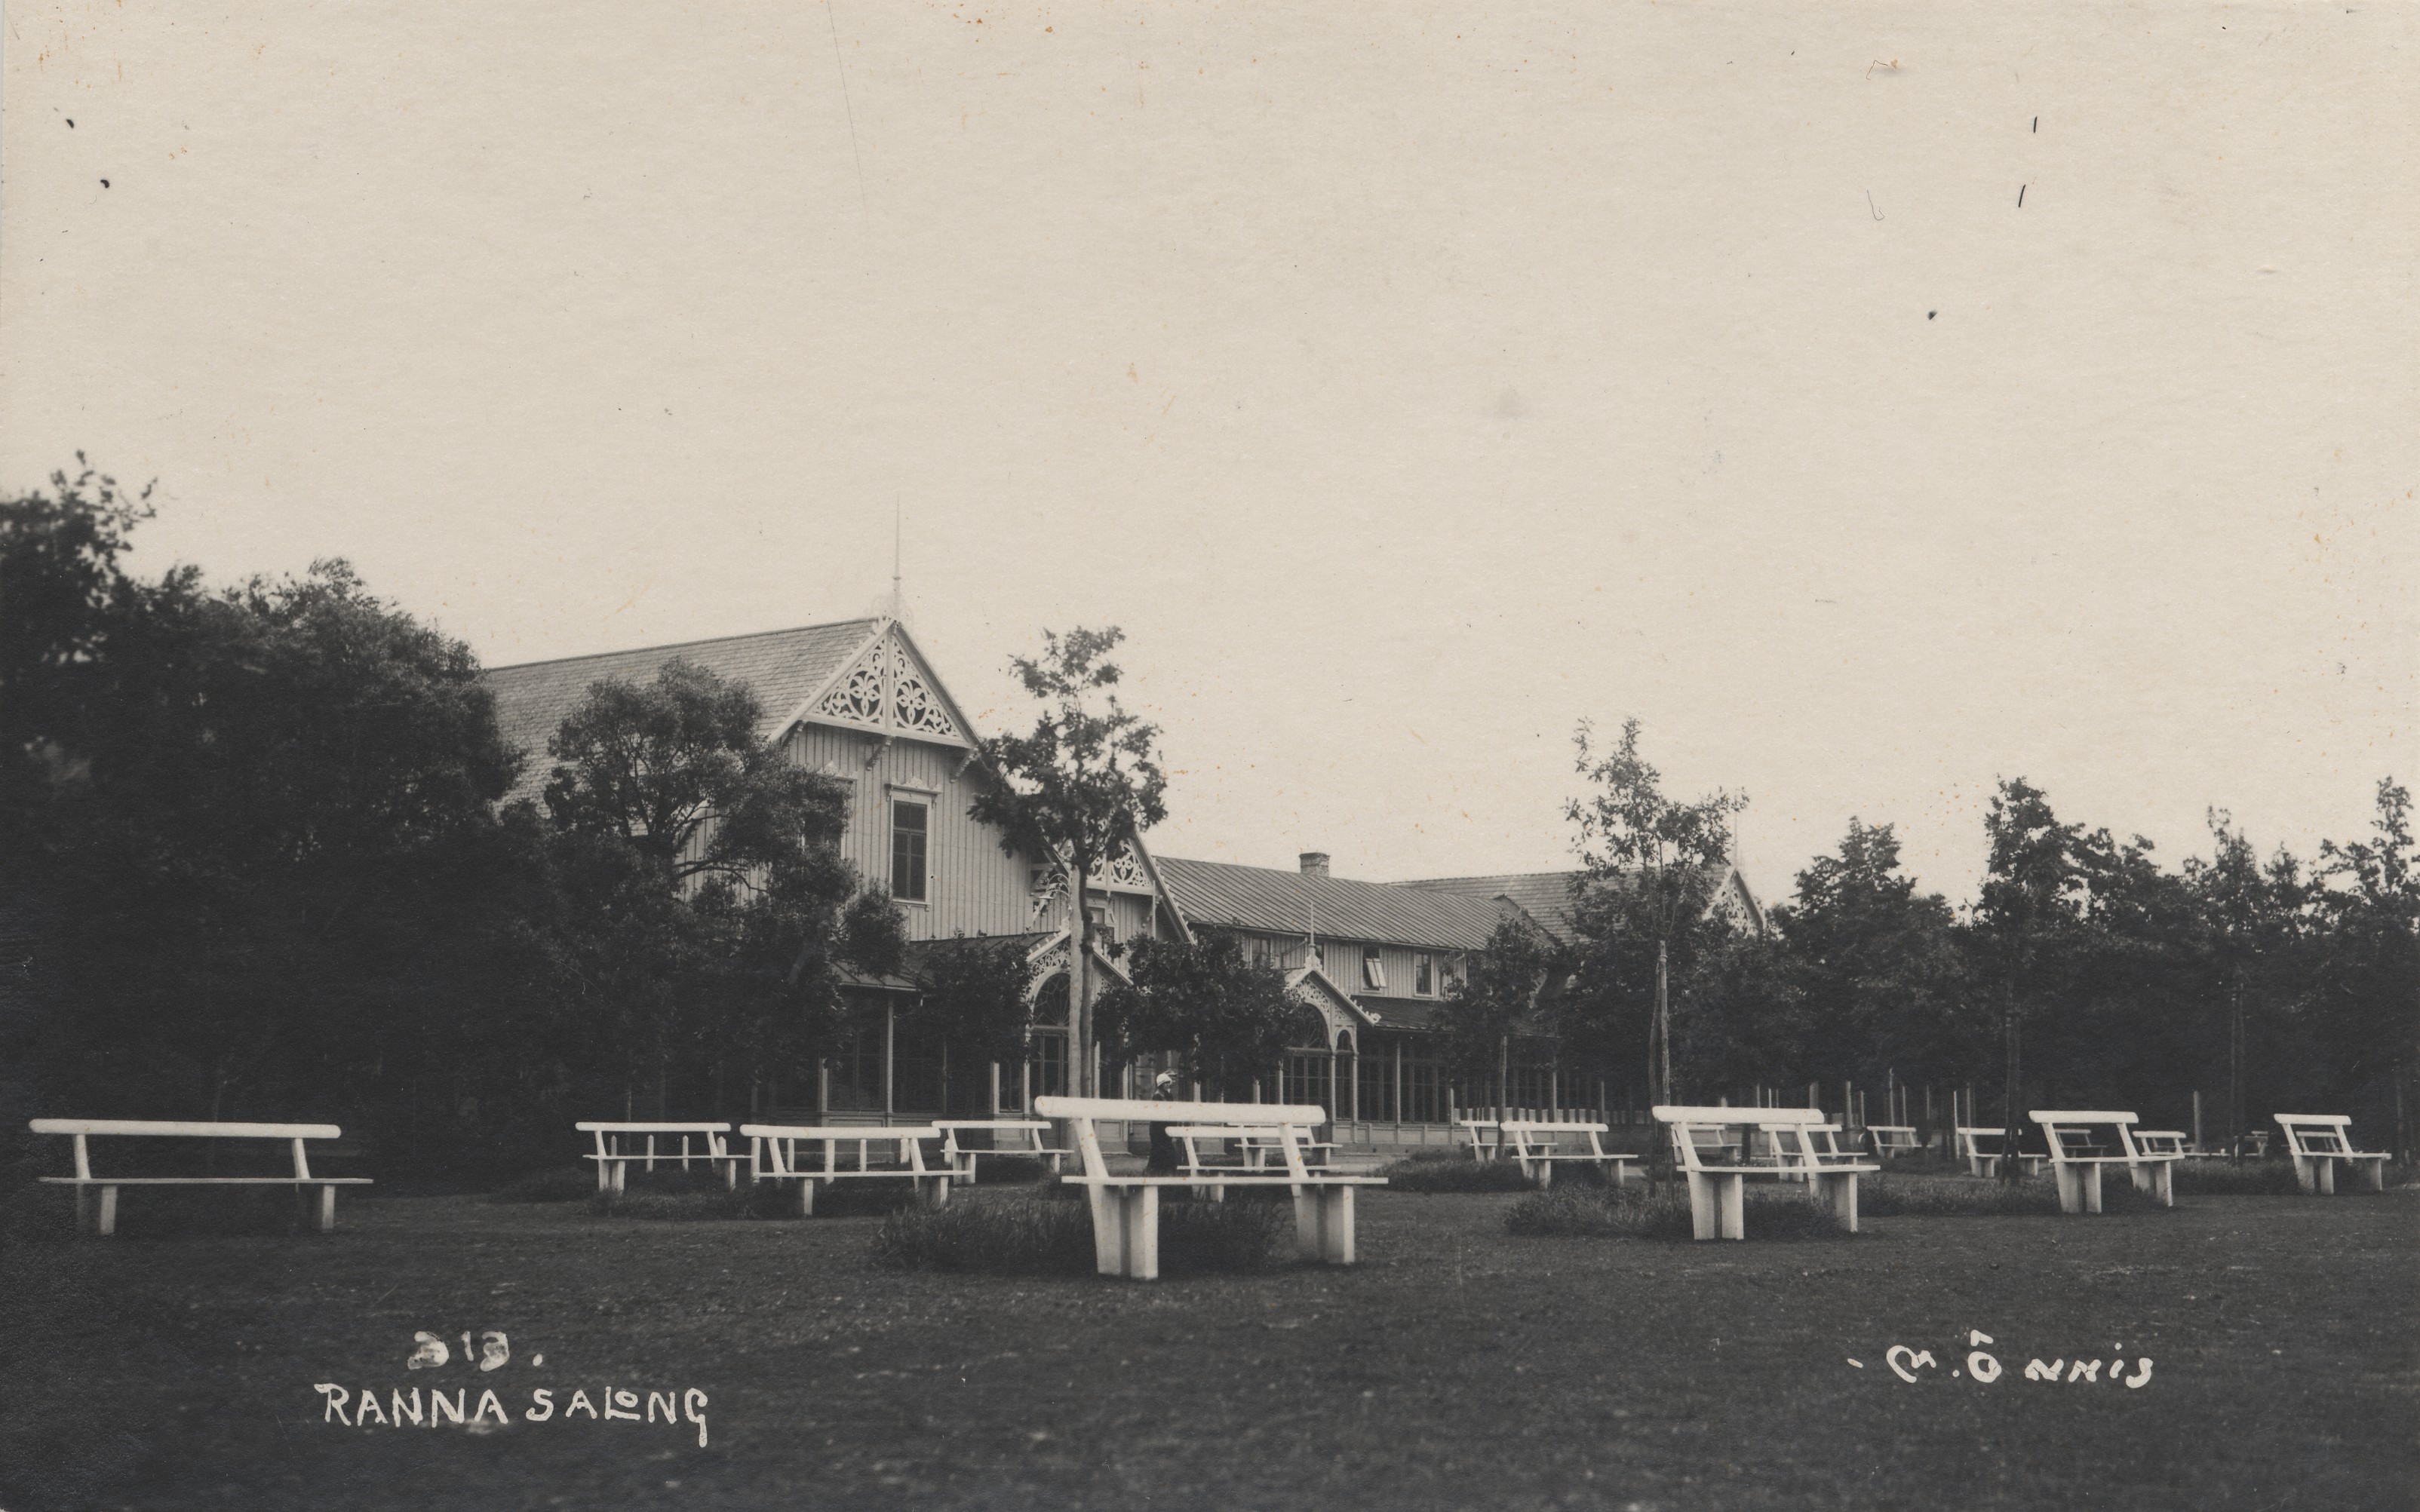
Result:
<point x="1638" y="757"/>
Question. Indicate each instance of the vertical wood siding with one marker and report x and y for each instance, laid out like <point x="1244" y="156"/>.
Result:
<point x="971" y="886"/>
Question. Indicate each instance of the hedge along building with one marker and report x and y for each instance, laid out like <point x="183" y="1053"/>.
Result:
<point x="857" y="701"/>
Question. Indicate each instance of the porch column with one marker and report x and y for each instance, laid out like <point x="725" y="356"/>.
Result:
<point x="890" y="1021"/>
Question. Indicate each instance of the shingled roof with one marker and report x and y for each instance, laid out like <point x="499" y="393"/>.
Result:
<point x="784" y="667"/>
<point x="1544" y="896"/>
<point x="1219" y="893"/>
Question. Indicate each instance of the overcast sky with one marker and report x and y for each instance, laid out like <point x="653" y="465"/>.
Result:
<point x="1409" y="382"/>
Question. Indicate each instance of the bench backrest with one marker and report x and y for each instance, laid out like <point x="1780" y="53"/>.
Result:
<point x="2160" y="1141"/>
<point x="2068" y="1132"/>
<point x="1700" y="1131"/>
<point x="2317" y="1133"/>
<point x="84" y="1129"/>
<point x="652" y="1128"/>
<point x="779" y="1142"/>
<point x="1800" y="1145"/>
<point x="1892" y="1135"/>
<point x="1537" y="1137"/>
<point x="169" y="1129"/>
<point x="1027" y="1132"/>
<point x="1290" y="1121"/>
<point x="1980" y="1141"/>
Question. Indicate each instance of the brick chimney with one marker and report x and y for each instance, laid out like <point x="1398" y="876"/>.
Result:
<point x="1314" y="863"/>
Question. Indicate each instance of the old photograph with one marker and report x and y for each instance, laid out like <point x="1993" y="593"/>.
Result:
<point x="1300" y="758"/>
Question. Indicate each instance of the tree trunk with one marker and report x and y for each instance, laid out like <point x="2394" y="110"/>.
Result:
<point x="2011" y="1170"/>
<point x="1080" y="1013"/>
<point x="1659" y="1072"/>
<point x="2235" y="1070"/>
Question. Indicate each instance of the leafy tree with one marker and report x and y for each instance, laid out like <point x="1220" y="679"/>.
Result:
<point x="262" y="821"/>
<point x="975" y="996"/>
<point x="2367" y="992"/>
<point x="1878" y="963"/>
<point x="710" y="869"/>
<point x="1651" y="865"/>
<point x="1228" y="1019"/>
<point x="1494" y="1003"/>
<point x="2025" y="923"/>
<point x="1082" y="786"/>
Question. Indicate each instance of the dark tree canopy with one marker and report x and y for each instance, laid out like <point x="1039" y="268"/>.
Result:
<point x="1229" y="1020"/>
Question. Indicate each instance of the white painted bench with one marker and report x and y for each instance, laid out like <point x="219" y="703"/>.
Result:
<point x="1538" y="1145"/>
<point x="1983" y="1159"/>
<point x="1486" y="1137"/>
<point x="2162" y="1142"/>
<point x="1718" y="1163"/>
<point x="773" y="1155"/>
<point x="85" y="1182"/>
<point x="2077" y="1157"/>
<point x="1022" y="1138"/>
<point x="1125" y="1208"/>
<point x="2318" y="1140"/>
<point x="614" y="1156"/>
<point x="1891" y="1139"/>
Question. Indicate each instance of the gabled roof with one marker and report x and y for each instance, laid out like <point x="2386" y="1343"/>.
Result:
<point x="1546" y="896"/>
<point x="1219" y="894"/>
<point x="1315" y="986"/>
<point x="785" y="667"/>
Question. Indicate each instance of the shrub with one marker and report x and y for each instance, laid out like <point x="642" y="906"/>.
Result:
<point x="1884" y="1196"/>
<point x="1431" y="1174"/>
<point x="1027" y="1235"/>
<point x="2212" y="1178"/>
<point x="693" y="1200"/>
<point x="568" y="1184"/>
<point x="1628" y="1212"/>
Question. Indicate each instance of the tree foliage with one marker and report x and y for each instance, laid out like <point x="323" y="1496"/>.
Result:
<point x="1084" y="783"/>
<point x="1226" y="1018"/>
<point x="1494" y="1003"/>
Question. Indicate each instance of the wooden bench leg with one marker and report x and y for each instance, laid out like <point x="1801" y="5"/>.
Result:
<point x="2164" y="1184"/>
<point x="1545" y="1177"/>
<point x="2327" y="1177"/>
<point x="2070" y="1188"/>
<point x="934" y="1191"/>
<point x="1125" y="1232"/>
<point x="1323" y="1224"/>
<point x="1734" y="1194"/>
<point x="2092" y="1187"/>
<point x="1840" y="1190"/>
<point x="621" y="1174"/>
<point x="83" y="1210"/>
<point x="2146" y="1178"/>
<point x="1703" y="1204"/>
<point x="327" y="1209"/>
<point x="108" y="1210"/>
<point x="2373" y="1174"/>
<point x="807" y="1196"/>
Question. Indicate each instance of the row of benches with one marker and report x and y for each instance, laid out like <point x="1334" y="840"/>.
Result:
<point x="1719" y="1148"/>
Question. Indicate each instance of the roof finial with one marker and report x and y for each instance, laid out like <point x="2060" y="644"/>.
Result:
<point x="898" y="530"/>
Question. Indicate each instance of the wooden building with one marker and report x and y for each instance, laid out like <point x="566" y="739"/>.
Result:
<point x="858" y="701"/>
<point x="1371" y="962"/>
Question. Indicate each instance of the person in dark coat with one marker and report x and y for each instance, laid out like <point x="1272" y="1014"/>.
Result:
<point x="1163" y="1149"/>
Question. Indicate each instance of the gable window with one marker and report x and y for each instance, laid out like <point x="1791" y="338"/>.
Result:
<point x="911" y="828"/>
<point x="1373" y="968"/>
<point x="1105" y="931"/>
<point x="1425" y="974"/>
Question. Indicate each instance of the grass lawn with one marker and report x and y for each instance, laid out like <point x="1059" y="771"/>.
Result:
<point x="1456" y="1366"/>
